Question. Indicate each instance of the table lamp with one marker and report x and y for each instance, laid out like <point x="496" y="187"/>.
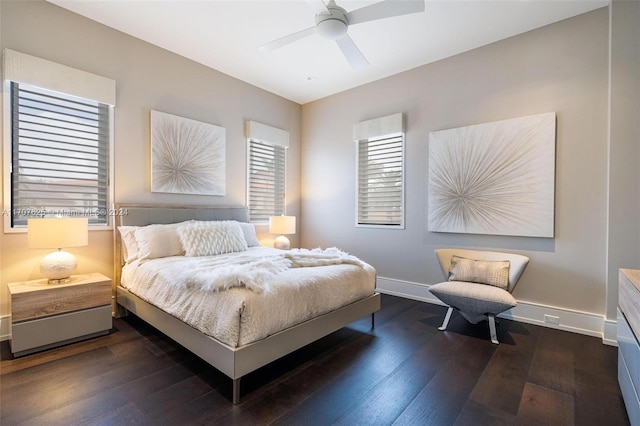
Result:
<point x="283" y="225"/>
<point x="57" y="233"/>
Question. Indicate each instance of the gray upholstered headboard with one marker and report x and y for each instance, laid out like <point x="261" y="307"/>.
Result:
<point x="145" y="214"/>
<point x="141" y="215"/>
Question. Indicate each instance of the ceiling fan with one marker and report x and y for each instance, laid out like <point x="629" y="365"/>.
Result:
<point x="332" y="23"/>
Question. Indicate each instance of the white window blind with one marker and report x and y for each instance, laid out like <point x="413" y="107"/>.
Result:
<point x="59" y="155"/>
<point x="266" y="180"/>
<point x="380" y="171"/>
<point x="380" y="181"/>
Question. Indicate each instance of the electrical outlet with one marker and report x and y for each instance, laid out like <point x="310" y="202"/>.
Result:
<point x="550" y="319"/>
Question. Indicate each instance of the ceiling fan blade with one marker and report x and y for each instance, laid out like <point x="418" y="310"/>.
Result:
<point x="352" y="53"/>
<point x="318" y="6"/>
<point x="288" y="39"/>
<point x="385" y="9"/>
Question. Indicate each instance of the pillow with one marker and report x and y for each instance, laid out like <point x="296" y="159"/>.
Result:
<point x="249" y="231"/>
<point x="129" y="243"/>
<point x="212" y="238"/>
<point x="495" y="273"/>
<point x="156" y="241"/>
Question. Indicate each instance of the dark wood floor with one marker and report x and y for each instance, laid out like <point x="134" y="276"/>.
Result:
<point x="404" y="372"/>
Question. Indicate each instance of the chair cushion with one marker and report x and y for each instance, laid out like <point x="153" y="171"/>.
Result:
<point x="476" y="300"/>
<point x="490" y="272"/>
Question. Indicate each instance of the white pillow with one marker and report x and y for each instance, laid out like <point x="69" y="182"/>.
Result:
<point x="212" y="238"/>
<point x="158" y="241"/>
<point x="249" y="231"/>
<point x="129" y="243"/>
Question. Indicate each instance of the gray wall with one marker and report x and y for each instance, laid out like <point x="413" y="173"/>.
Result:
<point x="563" y="68"/>
<point x="624" y="143"/>
<point x="147" y="78"/>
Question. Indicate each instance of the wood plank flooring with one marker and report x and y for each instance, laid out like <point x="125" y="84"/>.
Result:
<point x="404" y="372"/>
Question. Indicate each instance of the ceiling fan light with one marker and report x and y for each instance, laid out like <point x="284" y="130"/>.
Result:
<point x="331" y="29"/>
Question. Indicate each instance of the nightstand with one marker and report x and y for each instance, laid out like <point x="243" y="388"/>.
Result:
<point x="46" y="315"/>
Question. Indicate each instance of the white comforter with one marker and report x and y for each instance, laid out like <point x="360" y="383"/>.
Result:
<point x="273" y="300"/>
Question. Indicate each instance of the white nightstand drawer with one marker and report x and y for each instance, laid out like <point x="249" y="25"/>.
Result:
<point x="44" y="333"/>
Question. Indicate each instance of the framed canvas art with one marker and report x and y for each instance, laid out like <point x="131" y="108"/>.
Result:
<point x="494" y="178"/>
<point x="187" y="156"/>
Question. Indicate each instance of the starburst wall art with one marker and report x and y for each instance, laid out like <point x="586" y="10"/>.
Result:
<point x="495" y="178"/>
<point x="187" y="156"/>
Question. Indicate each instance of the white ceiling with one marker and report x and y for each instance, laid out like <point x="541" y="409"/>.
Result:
<point x="225" y="35"/>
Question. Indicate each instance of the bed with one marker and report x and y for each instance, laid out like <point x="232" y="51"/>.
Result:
<point x="259" y="338"/>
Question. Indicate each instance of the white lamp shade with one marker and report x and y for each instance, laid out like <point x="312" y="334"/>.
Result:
<point x="57" y="232"/>
<point x="282" y="225"/>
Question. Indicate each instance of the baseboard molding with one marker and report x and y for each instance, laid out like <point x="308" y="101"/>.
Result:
<point x="610" y="333"/>
<point x="5" y="329"/>
<point x="574" y="321"/>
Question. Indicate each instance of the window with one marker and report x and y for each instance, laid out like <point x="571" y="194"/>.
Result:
<point x="380" y="172"/>
<point x="59" y="155"/>
<point x="266" y="180"/>
<point x="58" y="137"/>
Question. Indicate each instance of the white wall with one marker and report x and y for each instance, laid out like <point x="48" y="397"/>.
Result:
<point x="147" y="78"/>
<point x="563" y="68"/>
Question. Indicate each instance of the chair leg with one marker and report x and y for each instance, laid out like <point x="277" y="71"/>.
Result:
<point x="446" y="319"/>
<point x="492" y="329"/>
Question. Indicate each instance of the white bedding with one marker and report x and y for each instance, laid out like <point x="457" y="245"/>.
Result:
<point x="237" y="316"/>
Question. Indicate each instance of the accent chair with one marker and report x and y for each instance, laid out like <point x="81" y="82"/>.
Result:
<point x="478" y="284"/>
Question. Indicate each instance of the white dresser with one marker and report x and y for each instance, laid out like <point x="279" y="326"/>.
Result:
<point x="628" y="342"/>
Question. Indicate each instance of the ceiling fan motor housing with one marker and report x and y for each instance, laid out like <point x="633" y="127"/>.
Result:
<point x="333" y="25"/>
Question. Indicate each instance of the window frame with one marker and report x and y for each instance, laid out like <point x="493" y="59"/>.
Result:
<point x="8" y="157"/>
<point x="285" y="149"/>
<point x="401" y="225"/>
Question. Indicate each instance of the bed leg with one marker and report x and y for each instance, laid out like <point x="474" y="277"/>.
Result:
<point x="373" y="321"/>
<point x="236" y="391"/>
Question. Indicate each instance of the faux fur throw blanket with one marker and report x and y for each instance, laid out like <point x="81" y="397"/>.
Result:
<point x="219" y="273"/>
<point x="317" y="257"/>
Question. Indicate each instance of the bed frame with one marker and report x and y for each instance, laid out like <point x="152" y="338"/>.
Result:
<point x="233" y="362"/>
